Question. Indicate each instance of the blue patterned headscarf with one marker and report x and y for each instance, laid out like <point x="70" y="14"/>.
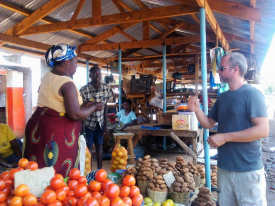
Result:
<point x="59" y="53"/>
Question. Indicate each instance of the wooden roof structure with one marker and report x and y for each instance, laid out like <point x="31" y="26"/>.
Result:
<point x="138" y="27"/>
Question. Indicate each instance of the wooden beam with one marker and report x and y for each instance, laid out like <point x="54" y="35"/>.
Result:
<point x="235" y="9"/>
<point x="156" y="29"/>
<point x="165" y="34"/>
<point x="140" y="44"/>
<point x="196" y="19"/>
<point x="230" y="8"/>
<point x="39" y="46"/>
<point x="96" y="10"/>
<point x="122" y="6"/>
<point x="252" y="27"/>
<point x="146" y="32"/>
<point x="127" y="17"/>
<point x="213" y="23"/>
<point x="77" y="10"/>
<point x="36" y="16"/>
<point x="128" y="36"/>
<point x="107" y="34"/>
<point x="48" y="20"/>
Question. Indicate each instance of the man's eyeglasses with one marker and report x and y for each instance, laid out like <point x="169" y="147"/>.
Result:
<point x="222" y="68"/>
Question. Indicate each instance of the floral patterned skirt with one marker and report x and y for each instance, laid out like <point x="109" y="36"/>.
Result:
<point x="52" y="140"/>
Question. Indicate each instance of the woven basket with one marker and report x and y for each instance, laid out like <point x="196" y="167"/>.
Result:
<point x="181" y="197"/>
<point x="142" y="184"/>
<point x="157" y="196"/>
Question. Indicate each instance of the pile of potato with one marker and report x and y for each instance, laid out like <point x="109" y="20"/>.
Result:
<point x="146" y="168"/>
<point x="200" y="169"/>
<point x="204" y="198"/>
<point x="214" y="170"/>
<point x="158" y="184"/>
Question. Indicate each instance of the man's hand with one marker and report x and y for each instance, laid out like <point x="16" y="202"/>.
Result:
<point x="217" y="140"/>
<point x="193" y="103"/>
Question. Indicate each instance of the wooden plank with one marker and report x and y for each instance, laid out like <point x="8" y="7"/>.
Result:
<point x="128" y="36"/>
<point x="252" y="27"/>
<point x="146" y="31"/>
<point x="167" y="33"/>
<point x="235" y="9"/>
<point x="48" y="20"/>
<point x="36" y="16"/>
<point x="122" y="6"/>
<point x="140" y="44"/>
<point x="230" y="8"/>
<point x="156" y="29"/>
<point x="39" y="46"/>
<point x="126" y="17"/>
<point x="213" y="23"/>
<point x="77" y="10"/>
<point x="107" y="34"/>
<point x="96" y="10"/>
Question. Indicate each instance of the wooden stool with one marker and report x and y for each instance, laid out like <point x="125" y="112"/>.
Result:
<point x="130" y="148"/>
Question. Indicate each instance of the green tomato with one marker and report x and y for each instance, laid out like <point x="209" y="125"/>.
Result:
<point x="157" y="204"/>
<point x="147" y="200"/>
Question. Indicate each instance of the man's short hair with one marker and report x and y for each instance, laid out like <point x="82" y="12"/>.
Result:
<point x="94" y="68"/>
<point x="238" y="59"/>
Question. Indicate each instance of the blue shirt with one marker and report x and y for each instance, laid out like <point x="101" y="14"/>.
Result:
<point x="125" y="119"/>
<point x="233" y="111"/>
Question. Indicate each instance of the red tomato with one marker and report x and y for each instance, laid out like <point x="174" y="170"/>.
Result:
<point x="7" y="190"/>
<point x="13" y="171"/>
<point x="57" y="183"/>
<point x="100" y="175"/>
<point x="23" y="162"/>
<point x="82" y="180"/>
<point x="49" y="196"/>
<point x="56" y="203"/>
<point x="22" y="190"/>
<point x="134" y="191"/>
<point x="94" y="186"/>
<point x="74" y="173"/>
<point x="5" y="175"/>
<point x="96" y="195"/>
<point x="70" y="193"/>
<point x="60" y="176"/>
<point x="2" y="184"/>
<point x="104" y="201"/>
<point x="117" y="202"/>
<point x="72" y="184"/>
<point x="92" y="202"/>
<point x="105" y="184"/>
<point x="127" y="201"/>
<point x="32" y="165"/>
<point x="72" y="201"/>
<point x="129" y="180"/>
<point x="16" y="201"/>
<point x="8" y="182"/>
<point x="29" y="200"/>
<point x="80" y="190"/>
<point x="124" y="191"/>
<point x="112" y="191"/>
<point x="61" y="194"/>
<point x="137" y="200"/>
<point x="3" y="196"/>
<point x="65" y="188"/>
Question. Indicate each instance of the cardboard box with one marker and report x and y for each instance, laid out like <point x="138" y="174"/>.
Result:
<point x="185" y="121"/>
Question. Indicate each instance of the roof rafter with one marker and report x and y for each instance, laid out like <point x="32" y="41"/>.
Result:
<point x="140" y="44"/>
<point x="36" y="16"/>
<point x="48" y="20"/>
<point x="230" y="8"/>
<point x="213" y="23"/>
<point x="96" y="10"/>
<point x="127" y="17"/>
<point x="77" y="10"/>
<point x="40" y="46"/>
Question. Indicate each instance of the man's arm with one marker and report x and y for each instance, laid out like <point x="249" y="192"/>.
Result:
<point x="194" y="106"/>
<point x="259" y="130"/>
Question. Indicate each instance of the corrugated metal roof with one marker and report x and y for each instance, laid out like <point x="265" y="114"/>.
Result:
<point x="264" y="29"/>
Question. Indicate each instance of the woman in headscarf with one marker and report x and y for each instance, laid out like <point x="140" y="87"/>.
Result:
<point x="53" y="130"/>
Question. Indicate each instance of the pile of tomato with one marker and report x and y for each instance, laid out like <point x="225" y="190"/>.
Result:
<point x="76" y="192"/>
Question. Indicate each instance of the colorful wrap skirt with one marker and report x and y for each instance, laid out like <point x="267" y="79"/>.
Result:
<point x="52" y="140"/>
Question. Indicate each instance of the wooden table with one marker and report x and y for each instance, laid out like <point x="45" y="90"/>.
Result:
<point x="136" y="129"/>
